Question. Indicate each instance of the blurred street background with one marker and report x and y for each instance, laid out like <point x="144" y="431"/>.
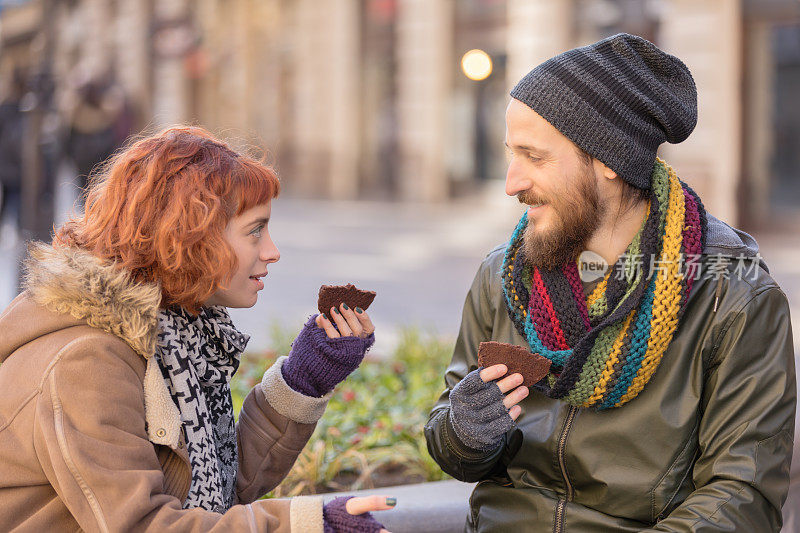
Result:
<point x="385" y="119"/>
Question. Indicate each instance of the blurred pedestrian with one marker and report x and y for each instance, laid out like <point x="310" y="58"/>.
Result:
<point x="668" y="398"/>
<point x="11" y="137"/>
<point x="116" y="359"/>
<point x="98" y="122"/>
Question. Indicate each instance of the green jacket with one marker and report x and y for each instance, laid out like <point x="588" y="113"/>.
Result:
<point x="706" y="446"/>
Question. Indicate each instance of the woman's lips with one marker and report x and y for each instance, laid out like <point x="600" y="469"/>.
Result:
<point x="257" y="280"/>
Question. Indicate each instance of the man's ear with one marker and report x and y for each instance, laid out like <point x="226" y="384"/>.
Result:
<point x="605" y="171"/>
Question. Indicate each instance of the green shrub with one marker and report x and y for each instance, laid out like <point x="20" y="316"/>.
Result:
<point x="372" y="432"/>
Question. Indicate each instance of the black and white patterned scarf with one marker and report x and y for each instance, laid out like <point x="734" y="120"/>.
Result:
<point x="198" y="355"/>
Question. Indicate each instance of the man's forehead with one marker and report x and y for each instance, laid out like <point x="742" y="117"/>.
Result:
<point x="527" y="129"/>
<point x="522" y="116"/>
<point x="525" y="146"/>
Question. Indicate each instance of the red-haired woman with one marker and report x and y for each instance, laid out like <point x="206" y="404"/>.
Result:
<point x="115" y="405"/>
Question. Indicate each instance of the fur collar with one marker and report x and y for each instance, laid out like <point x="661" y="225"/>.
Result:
<point x="72" y="281"/>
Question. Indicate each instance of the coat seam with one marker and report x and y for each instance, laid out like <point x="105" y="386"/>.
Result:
<point x="251" y="518"/>
<point x="10" y="308"/>
<point x="19" y="409"/>
<point x="247" y="419"/>
<point x="40" y="387"/>
<point x="61" y="352"/>
<point x="723" y="504"/>
<point x="265" y="458"/>
<point x="653" y="513"/>
<point x="62" y="444"/>
<point x="677" y="488"/>
<point x="758" y="446"/>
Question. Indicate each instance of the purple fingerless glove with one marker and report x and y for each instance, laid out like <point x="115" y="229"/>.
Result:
<point x="338" y="520"/>
<point x="317" y="363"/>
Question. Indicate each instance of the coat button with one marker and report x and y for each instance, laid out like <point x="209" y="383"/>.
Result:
<point x="160" y="432"/>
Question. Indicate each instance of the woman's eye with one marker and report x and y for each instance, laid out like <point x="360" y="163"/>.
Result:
<point x="257" y="231"/>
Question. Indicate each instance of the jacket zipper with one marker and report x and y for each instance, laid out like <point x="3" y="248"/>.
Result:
<point x="561" y="506"/>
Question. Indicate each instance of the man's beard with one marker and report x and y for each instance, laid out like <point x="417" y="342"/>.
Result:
<point x="577" y="217"/>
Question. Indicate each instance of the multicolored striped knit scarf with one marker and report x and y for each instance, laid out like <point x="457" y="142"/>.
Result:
<point x="605" y="348"/>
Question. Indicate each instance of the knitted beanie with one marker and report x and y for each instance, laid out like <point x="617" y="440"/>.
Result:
<point x="618" y="99"/>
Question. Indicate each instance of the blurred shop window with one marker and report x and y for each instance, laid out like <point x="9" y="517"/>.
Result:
<point x="479" y="98"/>
<point x="595" y="19"/>
<point x="785" y="190"/>
<point x="379" y="165"/>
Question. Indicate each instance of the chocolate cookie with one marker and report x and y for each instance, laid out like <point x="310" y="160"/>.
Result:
<point x="532" y="366"/>
<point x="333" y="295"/>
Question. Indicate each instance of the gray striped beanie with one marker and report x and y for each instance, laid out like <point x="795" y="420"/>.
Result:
<point x="618" y="99"/>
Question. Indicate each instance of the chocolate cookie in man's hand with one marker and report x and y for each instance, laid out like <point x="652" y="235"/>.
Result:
<point x="532" y="366"/>
<point x="334" y="295"/>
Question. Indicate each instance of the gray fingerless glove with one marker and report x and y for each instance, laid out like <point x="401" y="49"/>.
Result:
<point x="477" y="413"/>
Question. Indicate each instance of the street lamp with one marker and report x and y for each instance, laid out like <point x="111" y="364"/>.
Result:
<point x="476" y="65"/>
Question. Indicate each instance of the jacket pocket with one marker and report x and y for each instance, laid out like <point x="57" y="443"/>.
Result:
<point x="474" y="512"/>
<point x="676" y="484"/>
<point x="472" y="519"/>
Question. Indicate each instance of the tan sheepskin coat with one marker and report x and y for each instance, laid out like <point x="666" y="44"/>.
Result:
<point x="89" y="436"/>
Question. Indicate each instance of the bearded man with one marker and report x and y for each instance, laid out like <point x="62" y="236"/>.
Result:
<point x="670" y="399"/>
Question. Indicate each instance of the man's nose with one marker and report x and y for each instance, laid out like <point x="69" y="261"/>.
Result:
<point x="517" y="180"/>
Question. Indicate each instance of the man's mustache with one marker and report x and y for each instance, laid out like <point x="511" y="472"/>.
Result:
<point x="530" y="198"/>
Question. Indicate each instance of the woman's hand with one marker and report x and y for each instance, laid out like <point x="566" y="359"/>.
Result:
<point x="323" y="355"/>
<point x="349" y="322"/>
<point x="347" y="513"/>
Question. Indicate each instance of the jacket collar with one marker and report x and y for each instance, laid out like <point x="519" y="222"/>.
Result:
<point x="74" y="282"/>
<point x="723" y="239"/>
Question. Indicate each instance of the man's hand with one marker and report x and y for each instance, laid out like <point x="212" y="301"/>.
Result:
<point x="514" y="381"/>
<point x="480" y="410"/>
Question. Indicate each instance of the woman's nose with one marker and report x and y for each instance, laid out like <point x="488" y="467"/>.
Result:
<point x="270" y="252"/>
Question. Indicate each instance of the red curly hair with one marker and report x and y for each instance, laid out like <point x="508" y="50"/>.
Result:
<point x="160" y="209"/>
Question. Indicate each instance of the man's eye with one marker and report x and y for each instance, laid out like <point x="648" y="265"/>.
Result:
<point x="257" y="231"/>
<point x="534" y="158"/>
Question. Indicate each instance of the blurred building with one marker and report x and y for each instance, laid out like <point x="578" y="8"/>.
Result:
<point x="367" y="98"/>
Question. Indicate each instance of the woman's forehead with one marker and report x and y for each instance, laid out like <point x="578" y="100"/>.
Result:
<point x="260" y="211"/>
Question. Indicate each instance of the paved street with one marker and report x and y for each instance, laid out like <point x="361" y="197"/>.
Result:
<point x="419" y="259"/>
